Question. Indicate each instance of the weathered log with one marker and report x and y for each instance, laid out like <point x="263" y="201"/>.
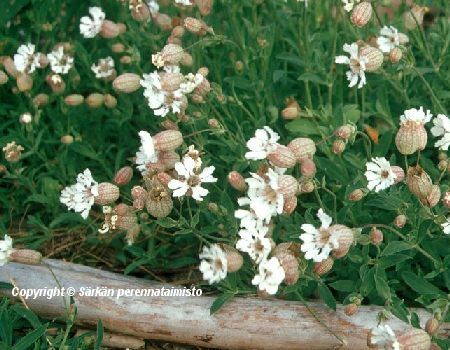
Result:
<point x="244" y="323"/>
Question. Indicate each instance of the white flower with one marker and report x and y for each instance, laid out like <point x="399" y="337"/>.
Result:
<point x="191" y="182"/>
<point x="26" y="60"/>
<point x="379" y="174"/>
<point x="60" y="63"/>
<point x="153" y="6"/>
<point x="446" y="226"/>
<point x="190" y="82"/>
<point x="184" y="2"/>
<point x="384" y="338"/>
<point x="318" y="243"/>
<point x="146" y="153"/>
<point x="264" y="198"/>
<point x="104" y="67"/>
<point x="91" y="26"/>
<point x="80" y="197"/>
<point x="214" y="264"/>
<point x="441" y="128"/>
<point x="263" y="143"/>
<point x="270" y="275"/>
<point x="356" y="63"/>
<point x="26" y="118"/>
<point x="5" y="249"/>
<point x="416" y="115"/>
<point x="349" y="4"/>
<point x="254" y="243"/>
<point x="389" y="39"/>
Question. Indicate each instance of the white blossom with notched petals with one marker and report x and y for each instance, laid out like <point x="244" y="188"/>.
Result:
<point x="91" y="26"/>
<point x="146" y="154"/>
<point x="356" y="63"/>
<point x="264" y="142"/>
<point x="379" y="174"/>
<point x="255" y="243"/>
<point x="104" y="68"/>
<point x="384" y="338"/>
<point x="214" y="264"/>
<point x="6" y="248"/>
<point x="446" y="226"/>
<point x="416" y="115"/>
<point x="60" y="62"/>
<point x="441" y="128"/>
<point x="270" y="275"/>
<point x="389" y="39"/>
<point x="26" y="60"/>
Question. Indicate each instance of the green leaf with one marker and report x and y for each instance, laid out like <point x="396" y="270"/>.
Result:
<point x="351" y="113"/>
<point x="314" y="78"/>
<point x="381" y="284"/>
<point x="326" y="295"/>
<point x="167" y="222"/>
<point x="220" y="301"/>
<point x="419" y="284"/>
<point x="99" y="336"/>
<point x="30" y="339"/>
<point x="343" y="285"/>
<point x="303" y="126"/>
<point x="395" y="247"/>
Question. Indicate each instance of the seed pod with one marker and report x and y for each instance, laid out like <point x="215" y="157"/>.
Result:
<point x="196" y="26"/>
<point x="289" y="205"/>
<point x="356" y="195"/>
<point x="418" y="181"/>
<point x="346" y="238"/>
<point x="67" y="139"/>
<point x="126" y="221"/>
<point x="432" y="326"/>
<point x="139" y="195"/>
<point x="302" y="148"/>
<point x="74" y="100"/>
<point x="167" y="140"/>
<point x="237" y="181"/>
<point x="118" y="48"/>
<point x="323" y="267"/>
<point x="123" y="176"/>
<point x="10" y="67"/>
<point x="186" y="60"/>
<point x="163" y="21"/>
<point x="24" y="82"/>
<point x="306" y="186"/>
<point x="287" y="185"/>
<point x="395" y="55"/>
<point x="171" y="81"/>
<point x="168" y="159"/>
<point x="362" y="13"/>
<point x="289" y="263"/>
<point x="40" y="100"/>
<point x="433" y="197"/>
<point x="292" y="110"/>
<point x="374" y="57"/>
<point x="414" y="339"/>
<point x="400" y="221"/>
<point x="109" y="29"/>
<point x="414" y="17"/>
<point x="282" y="157"/>
<point x="159" y="203"/>
<point x="26" y="256"/>
<point x="411" y="137"/>
<point x="95" y="100"/>
<point x="178" y="31"/>
<point x="171" y="54"/>
<point x="107" y="193"/>
<point x="164" y="178"/>
<point x="399" y="173"/>
<point x="376" y="236"/>
<point x="338" y="146"/>
<point x="307" y="168"/>
<point x="351" y="309"/>
<point x="204" y="6"/>
<point x="203" y="88"/>
<point x="139" y="11"/>
<point x="345" y="131"/>
<point x="169" y="125"/>
<point x="234" y="258"/>
<point x="3" y="77"/>
<point x="126" y="59"/>
<point x="203" y="71"/>
<point x="127" y="83"/>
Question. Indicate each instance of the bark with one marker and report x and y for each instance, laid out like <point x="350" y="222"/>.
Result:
<point x="244" y="323"/>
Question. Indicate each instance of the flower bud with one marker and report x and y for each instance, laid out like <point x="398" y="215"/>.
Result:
<point x="24" y="82"/>
<point x="346" y="238"/>
<point x="442" y="165"/>
<point x="139" y="10"/>
<point x="167" y="140"/>
<point x="351" y="309"/>
<point x="139" y="195"/>
<point x="307" y="168"/>
<point x="10" y="67"/>
<point x="418" y="181"/>
<point x="432" y="326"/>
<point x="25" y="118"/>
<point x="345" y="131"/>
<point x="3" y="77"/>
<point x="163" y="21"/>
<point x="399" y="173"/>
<point x="107" y="193"/>
<point x="196" y="26"/>
<point x="292" y="110"/>
<point x="362" y="13"/>
<point x="433" y="197"/>
<point x="168" y="159"/>
<point x="302" y="148"/>
<point x="26" y="256"/>
<point x="306" y="186"/>
<point x="287" y="185"/>
<point x="414" y="339"/>
<point x="132" y="234"/>
<point x="356" y="195"/>
<point x="109" y="29"/>
<point x="289" y="205"/>
<point x="323" y="267"/>
<point x="338" y="146"/>
<point x="234" y="258"/>
<point x="237" y="181"/>
<point x="282" y="157"/>
<point x="159" y="203"/>
<point x="95" y="100"/>
<point x="204" y="6"/>
<point x="118" y="48"/>
<point x="376" y="236"/>
<point x="12" y="152"/>
<point x="126" y="59"/>
<point x="74" y="100"/>
<point x="126" y="217"/>
<point x="66" y="139"/>
<point x="414" y="17"/>
<point x="123" y="176"/>
<point x="56" y="83"/>
<point x="446" y="200"/>
<point x="400" y="221"/>
<point x="373" y="56"/>
<point x="127" y="83"/>
<point x="395" y="55"/>
<point x="187" y="60"/>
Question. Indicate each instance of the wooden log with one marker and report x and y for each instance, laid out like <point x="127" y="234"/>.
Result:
<point x="244" y="323"/>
